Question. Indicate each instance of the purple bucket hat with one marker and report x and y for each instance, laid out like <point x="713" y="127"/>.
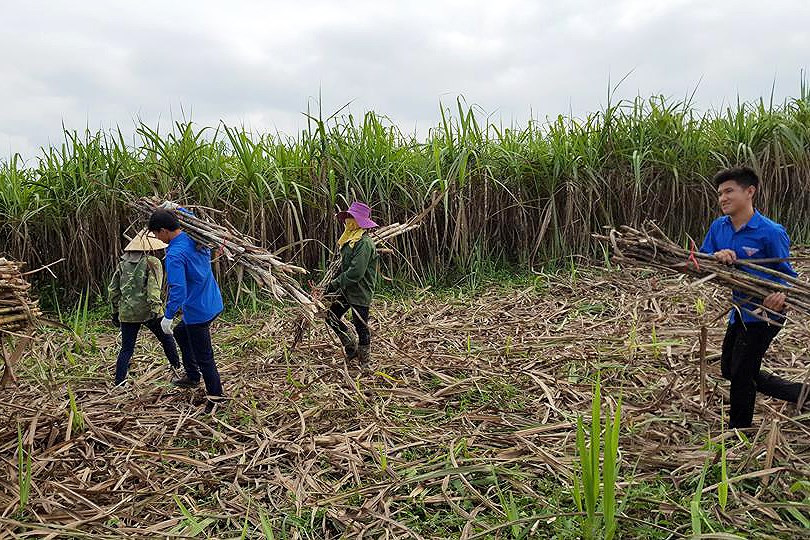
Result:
<point x="361" y="214"/>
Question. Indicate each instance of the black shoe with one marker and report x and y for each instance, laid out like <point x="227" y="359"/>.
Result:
<point x="364" y="355"/>
<point x="350" y="351"/>
<point x="186" y="382"/>
<point x="211" y="401"/>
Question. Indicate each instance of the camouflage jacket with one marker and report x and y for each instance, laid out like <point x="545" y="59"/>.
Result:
<point x="135" y="289"/>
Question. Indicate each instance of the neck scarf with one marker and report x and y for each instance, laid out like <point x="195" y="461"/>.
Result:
<point x="351" y="234"/>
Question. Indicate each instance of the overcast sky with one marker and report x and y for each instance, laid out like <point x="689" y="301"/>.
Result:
<point x="102" y="64"/>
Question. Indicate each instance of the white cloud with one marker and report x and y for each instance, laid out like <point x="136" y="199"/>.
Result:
<point x="101" y="64"/>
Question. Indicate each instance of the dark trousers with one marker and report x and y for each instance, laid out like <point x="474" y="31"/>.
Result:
<point x="194" y="341"/>
<point x="337" y="310"/>
<point x="129" y="334"/>
<point x="743" y="349"/>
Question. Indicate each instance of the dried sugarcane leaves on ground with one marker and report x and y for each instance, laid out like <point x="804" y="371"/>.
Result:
<point x="465" y="428"/>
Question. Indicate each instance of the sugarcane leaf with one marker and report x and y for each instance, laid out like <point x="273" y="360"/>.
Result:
<point x="799" y="516"/>
<point x="596" y="424"/>
<point x="722" y="489"/>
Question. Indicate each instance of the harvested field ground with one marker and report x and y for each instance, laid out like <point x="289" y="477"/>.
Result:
<point x="465" y="428"/>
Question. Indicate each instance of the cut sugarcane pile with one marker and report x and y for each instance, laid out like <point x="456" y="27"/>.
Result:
<point x="651" y="247"/>
<point x="475" y="390"/>
<point x="17" y="308"/>
<point x="266" y="269"/>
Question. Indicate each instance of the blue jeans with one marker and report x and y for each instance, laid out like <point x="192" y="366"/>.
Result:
<point x="194" y="341"/>
<point x="129" y="334"/>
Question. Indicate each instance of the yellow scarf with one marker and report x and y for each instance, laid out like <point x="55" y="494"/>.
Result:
<point x="351" y="234"/>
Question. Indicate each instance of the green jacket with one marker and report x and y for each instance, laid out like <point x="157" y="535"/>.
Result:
<point x="135" y="289"/>
<point x="358" y="272"/>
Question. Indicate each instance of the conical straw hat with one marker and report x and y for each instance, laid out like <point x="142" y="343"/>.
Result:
<point x="145" y="241"/>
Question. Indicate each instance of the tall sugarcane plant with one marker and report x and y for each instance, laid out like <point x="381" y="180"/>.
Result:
<point x="521" y="194"/>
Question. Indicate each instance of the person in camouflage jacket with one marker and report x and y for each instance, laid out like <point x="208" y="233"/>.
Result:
<point x="135" y="296"/>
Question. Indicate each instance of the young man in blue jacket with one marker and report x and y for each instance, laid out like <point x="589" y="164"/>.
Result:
<point x="193" y="290"/>
<point x="744" y="233"/>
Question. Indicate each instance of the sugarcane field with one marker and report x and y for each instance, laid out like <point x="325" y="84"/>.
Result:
<point x="405" y="270"/>
<point x="543" y="357"/>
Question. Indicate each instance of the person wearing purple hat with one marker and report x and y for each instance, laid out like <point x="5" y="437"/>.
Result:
<point x="353" y="288"/>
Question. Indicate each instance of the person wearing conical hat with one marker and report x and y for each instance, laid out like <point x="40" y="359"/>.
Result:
<point x="135" y="296"/>
<point x="353" y="288"/>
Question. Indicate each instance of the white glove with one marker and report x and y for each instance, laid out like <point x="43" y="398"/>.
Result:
<point x="168" y="205"/>
<point x="166" y="325"/>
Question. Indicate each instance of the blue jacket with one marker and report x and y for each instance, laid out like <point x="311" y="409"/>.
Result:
<point x="760" y="238"/>
<point x="192" y="287"/>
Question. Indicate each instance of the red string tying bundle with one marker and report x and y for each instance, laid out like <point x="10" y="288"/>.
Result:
<point x="692" y="257"/>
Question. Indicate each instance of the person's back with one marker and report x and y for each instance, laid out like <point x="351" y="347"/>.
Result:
<point x="135" y="298"/>
<point x="189" y="266"/>
<point x="139" y="298"/>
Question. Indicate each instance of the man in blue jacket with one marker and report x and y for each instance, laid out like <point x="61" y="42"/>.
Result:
<point x="193" y="290"/>
<point x="744" y="233"/>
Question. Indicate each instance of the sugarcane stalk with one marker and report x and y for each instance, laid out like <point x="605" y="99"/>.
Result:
<point x="263" y="267"/>
<point x="650" y="247"/>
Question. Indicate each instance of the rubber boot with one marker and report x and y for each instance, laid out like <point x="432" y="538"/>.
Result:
<point x="349" y="347"/>
<point x="364" y="355"/>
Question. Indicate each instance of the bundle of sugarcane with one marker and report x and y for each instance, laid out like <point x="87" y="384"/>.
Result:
<point x="650" y="247"/>
<point x="266" y="269"/>
<point x="380" y="236"/>
<point x="17" y="308"/>
<point x="18" y="311"/>
<point x="383" y="235"/>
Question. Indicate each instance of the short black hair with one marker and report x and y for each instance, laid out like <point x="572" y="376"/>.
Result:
<point x="744" y="176"/>
<point x="163" y="219"/>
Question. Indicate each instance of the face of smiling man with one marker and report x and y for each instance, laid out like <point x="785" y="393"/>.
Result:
<point x="734" y="198"/>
